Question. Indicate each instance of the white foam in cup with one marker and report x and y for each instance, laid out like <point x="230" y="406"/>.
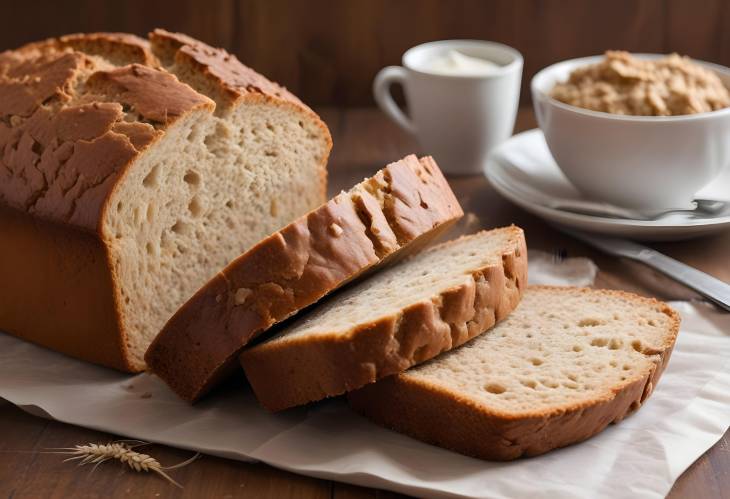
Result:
<point x="454" y="62"/>
<point x="462" y="99"/>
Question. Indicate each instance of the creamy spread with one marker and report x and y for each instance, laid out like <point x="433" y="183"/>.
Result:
<point x="454" y="63"/>
<point x="623" y="84"/>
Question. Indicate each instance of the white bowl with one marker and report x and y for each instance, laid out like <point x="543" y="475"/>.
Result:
<point x="643" y="162"/>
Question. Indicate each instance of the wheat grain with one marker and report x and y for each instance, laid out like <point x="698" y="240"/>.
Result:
<point x="123" y="452"/>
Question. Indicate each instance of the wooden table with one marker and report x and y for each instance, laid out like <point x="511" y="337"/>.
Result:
<point x="364" y="141"/>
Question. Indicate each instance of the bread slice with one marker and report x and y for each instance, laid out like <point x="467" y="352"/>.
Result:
<point x="407" y="314"/>
<point x="563" y="366"/>
<point x="131" y="172"/>
<point x="397" y="211"/>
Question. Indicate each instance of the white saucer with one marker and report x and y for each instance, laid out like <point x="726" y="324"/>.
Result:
<point x="524" y="163"/>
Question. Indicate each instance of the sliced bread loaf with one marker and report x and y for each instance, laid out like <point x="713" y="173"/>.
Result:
<point x="398" y="210"/>
<point x="409" y="313"/>
<point x="558" y="370"/>
<point x="131" y="171"/>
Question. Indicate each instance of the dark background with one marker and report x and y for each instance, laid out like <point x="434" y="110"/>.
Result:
<point x="328" y="51"/>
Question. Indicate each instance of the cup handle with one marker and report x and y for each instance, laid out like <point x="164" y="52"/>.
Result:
<point x="381" y="91"/>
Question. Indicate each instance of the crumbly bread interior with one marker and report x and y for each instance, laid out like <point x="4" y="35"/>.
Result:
<point x="419" y="278"/>
<point x="561" y="347"/>
<point x="208" y="190"/>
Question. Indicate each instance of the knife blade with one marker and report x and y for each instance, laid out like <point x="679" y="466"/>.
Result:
<point x="710" y="287"/>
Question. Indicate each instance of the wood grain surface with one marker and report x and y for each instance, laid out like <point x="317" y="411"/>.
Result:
<point x="364" y="142"/>
<point x="328" y="51"/>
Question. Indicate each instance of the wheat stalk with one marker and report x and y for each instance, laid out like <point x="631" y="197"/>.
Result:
<point x="124" y="452"/>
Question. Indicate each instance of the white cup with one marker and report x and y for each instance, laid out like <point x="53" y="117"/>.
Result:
<point x="458" y="119"/>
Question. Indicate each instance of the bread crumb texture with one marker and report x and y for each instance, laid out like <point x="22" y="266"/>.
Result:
<point x="557" y="350"/>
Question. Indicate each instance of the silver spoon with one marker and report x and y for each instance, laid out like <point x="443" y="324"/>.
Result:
<point x="699" y="207"/>
<point x="584" y="207"/>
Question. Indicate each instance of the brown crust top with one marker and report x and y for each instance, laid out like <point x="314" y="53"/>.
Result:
<point x="71" y="122"/>
<point x="408" y="404"/>
<point x="293" y="268"/>
<point x="220" y="69"/>
<point x="300" y="370"/>
<point x="119" y="48"/>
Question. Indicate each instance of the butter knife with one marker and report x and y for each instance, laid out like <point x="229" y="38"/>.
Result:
<point x="711" y="288"/>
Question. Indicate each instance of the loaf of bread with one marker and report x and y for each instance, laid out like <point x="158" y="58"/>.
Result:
<point x="404" y="315"/>
<point x="563" y="366"/>
<point x="397" y="211"/>
<point x="131" y="171"/>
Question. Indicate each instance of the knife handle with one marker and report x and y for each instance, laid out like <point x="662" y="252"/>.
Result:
<point x="706" y="285"/>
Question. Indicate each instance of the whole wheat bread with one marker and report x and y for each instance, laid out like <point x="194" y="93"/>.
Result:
<point x="395" y="212"/>
<point x="404" y="315"/>
<point x="131" y="171"/>
<point x="558" y="370"/>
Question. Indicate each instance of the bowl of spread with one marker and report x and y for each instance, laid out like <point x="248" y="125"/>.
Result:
<point x="643" y="131"/>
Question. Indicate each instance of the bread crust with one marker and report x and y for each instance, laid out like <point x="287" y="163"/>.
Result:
<point x="297" y="266"/>
<point x="410" y="405"/>
<point x="121" y="48"/>
<point x="287" y="373"/>
<point x="75" y="113"/>
<point x="217" y="67"/>
<point x="43" y="286"/>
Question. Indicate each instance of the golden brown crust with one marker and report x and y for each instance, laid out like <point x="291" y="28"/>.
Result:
<point x="119" y="48"/>
<point x="55" y="289"/>
<point x="221" y="70"/>
<point x="408" y="404"/>
<point x="297" y="266"/>
<point x="300" y="370"/>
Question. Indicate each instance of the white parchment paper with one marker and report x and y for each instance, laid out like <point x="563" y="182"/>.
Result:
<point x="641" y="457"/>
